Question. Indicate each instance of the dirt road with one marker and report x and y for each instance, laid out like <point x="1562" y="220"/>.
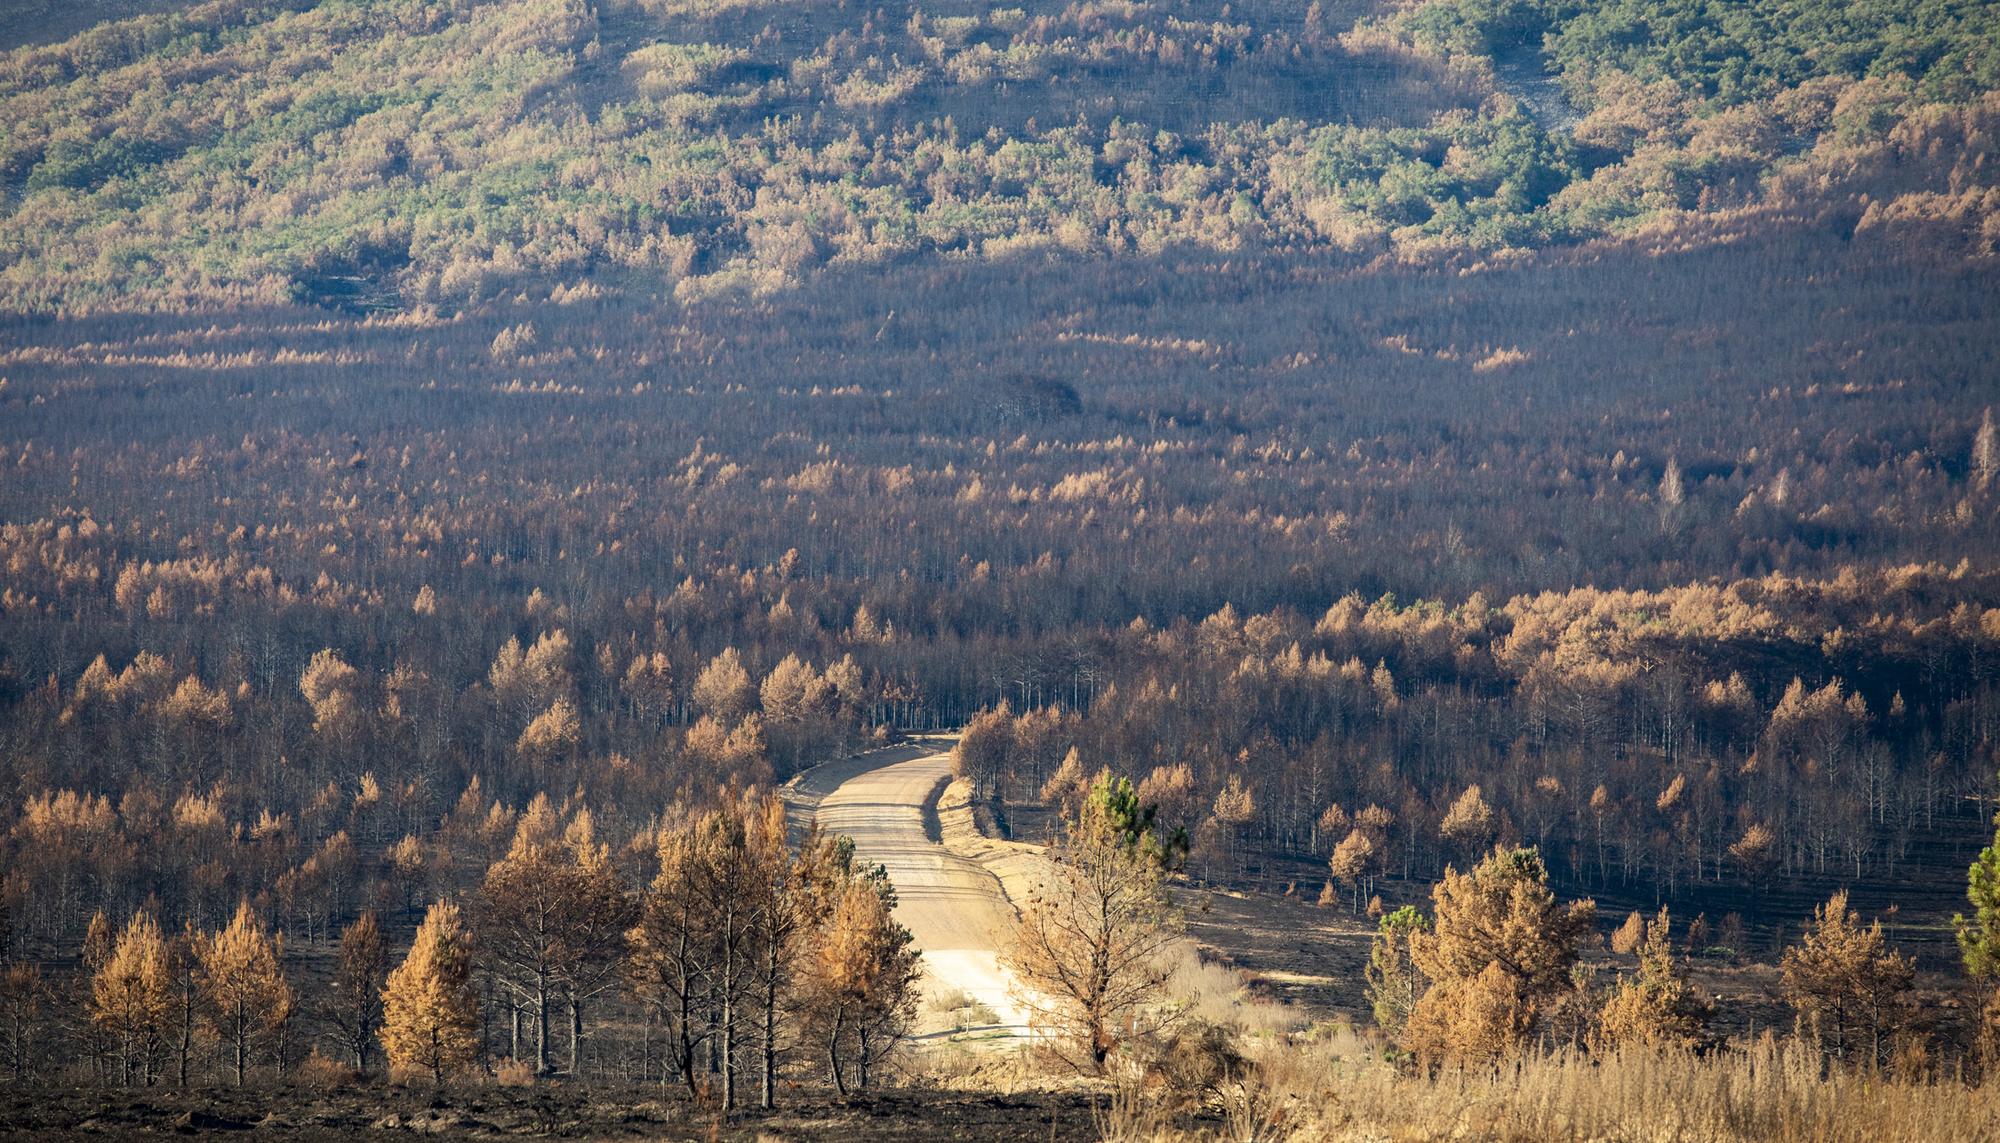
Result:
<point x="956" y="910"/>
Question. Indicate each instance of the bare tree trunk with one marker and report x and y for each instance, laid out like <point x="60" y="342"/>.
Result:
<point x="541" y="1024"/>
<point x="187" y="1036"/>
<point x="833" y="1052"/>
<point x="575" y="1036"/>
<point x="729" y="1026"/>
<point x="768" y="1095"/>
<point x="861" y="1057"/>
<point x="688" y="1043"/>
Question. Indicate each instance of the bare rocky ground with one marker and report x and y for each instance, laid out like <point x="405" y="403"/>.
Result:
<point x="558" y="1111"/>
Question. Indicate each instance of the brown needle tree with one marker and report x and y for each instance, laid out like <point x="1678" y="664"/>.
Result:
<point x="1468" y="824"/>
<point x="862" y="980"/>
<point x="430" y="1017"/>
<point x="670" y="953"/>
<point x="243" y="989"/>
<point x="1845" y="981"/>
<point x="1658" y="1008"/>
<point x="722" y="879"/>
<point x="184" y="965"/>
<point x="1499" y="951"/>
<point x="352" y="1006"/>
<point x="131" y="998"/>
<point x="597" y="911"/>
<point x="1350" y="862"/>
<point x="791" y="896"/>
<point x="518" y="914"/>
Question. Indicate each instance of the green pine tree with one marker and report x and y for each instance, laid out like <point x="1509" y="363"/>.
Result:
<point x="1979" y="937"/>
<point x="1394" y="980"/>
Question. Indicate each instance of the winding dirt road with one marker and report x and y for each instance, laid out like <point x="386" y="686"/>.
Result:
<point x="956" y="910"/>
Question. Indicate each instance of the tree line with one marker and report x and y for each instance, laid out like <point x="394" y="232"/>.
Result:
<point x="758" y="950"/>
<point x="1495" y="970"/>
<point x="749" y="955"/>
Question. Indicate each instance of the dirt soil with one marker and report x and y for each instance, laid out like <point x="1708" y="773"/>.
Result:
<point x="559" y="1111"/>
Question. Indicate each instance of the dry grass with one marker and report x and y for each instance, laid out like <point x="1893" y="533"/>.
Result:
<point x="514" y="1073"/>
<point x="1331" y="1088"/>
<point x="1002" y="1067"/>
<point x="1221" y="995"/>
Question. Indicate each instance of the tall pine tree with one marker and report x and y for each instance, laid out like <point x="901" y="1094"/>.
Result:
<point x="430" y="1018"/>
<point x="243" y="989"/>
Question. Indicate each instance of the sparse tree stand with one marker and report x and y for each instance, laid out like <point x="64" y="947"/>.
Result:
<point x="982" y="752"/>
<point x="1235" y="807"/>
<point x="730" y="942"/>
<point x="243" y="989"/>
<point x="548" y="918"/>
<point x="1090" y="952"/>
<point x="430" y="1017"/>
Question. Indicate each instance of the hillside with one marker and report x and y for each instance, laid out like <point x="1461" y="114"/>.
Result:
<point x="393" y="154"/>
<point x="1463" y="531"/>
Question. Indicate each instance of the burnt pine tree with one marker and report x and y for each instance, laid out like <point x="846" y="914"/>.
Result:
<point x="430" y="1015"/>
<point x="862" y="980"/>
<point x="669" y="954"/>
<point x="351" y="1006"/>
<point x="1499" y="950"/>
<point x="1845" y="982"/>
<point x="131" y="999"/>
<point x="1091" y="948"/>
<point x="243" y="988"/>
<point x="597" y="909"/>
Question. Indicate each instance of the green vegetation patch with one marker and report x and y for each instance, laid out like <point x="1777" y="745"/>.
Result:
<point x="1731" y="52"/>
<point x="451" y="153"/>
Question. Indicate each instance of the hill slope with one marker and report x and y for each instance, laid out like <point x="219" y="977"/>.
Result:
<point x="391" y="153"/>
